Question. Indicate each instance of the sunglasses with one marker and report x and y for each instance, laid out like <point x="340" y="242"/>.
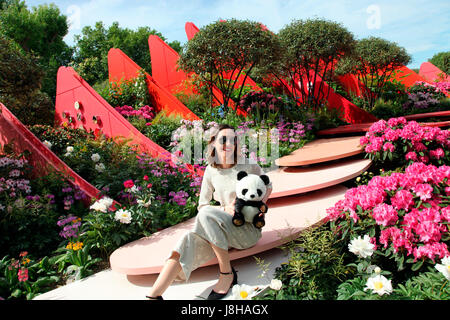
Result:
<point x="224" y="140"/>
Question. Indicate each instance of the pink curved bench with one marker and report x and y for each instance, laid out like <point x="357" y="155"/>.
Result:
<point x="296" y="180"/>
<point x="322" y="150"/>
<point x="285" y="219"/>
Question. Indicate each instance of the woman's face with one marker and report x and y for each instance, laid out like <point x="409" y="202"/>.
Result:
<point x="225" y="145"/>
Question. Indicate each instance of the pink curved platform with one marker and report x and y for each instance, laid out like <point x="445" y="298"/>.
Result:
<point x="296" y="180"/>
<point x="364" y="127"/>
<point x="286" y="218"/>
<point x="41" y="157"/>
<point x="432" y="73"/>
<point x="322" y="150"/>
<point x="121" y="67"/>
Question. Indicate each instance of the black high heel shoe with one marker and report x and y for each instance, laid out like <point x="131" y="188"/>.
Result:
<point x="217" y="296"/>
<point x="154" y="298"/>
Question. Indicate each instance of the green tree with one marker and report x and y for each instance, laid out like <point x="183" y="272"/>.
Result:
<point x="20" y="83"/>
<point x="442" y="61"/>
<point x="92" y="46"/>
<point x="312" y="49"/>
<point x="374" y="61"/>
<point x="39" y="31"/>
<point x="222" y="51"/>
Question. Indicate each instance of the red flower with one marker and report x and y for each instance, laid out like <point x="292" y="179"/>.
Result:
<point x="128" y="184"/>
<point x="145" y="178"/>
<point x="22" y="275"/>
<point x="149" y="185"/>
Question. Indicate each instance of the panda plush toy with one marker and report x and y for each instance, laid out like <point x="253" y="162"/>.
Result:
<point x="250" y="190"/>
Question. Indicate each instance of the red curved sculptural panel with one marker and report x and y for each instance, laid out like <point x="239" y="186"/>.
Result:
<point x="432" y="73"/>
<point x="78" y="104"/>
<point x="351" y="113"/>
<point x="165" y="72"/>
<point x="121" y="67"/>
<point x="42" y="159"/>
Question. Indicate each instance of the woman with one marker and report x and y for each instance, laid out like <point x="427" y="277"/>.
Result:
<point x="213" y="233"/>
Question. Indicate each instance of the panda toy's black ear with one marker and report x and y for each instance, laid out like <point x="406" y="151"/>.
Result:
<point x="265" y="179"/>
<point x="241" y="174"/>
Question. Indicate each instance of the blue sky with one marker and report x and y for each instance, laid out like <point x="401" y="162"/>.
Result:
<point x="420" y="26"/>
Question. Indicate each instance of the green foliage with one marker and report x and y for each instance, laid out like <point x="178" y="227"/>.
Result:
<point x="429" y="285"/>
<point x="442" y="61"/>
<point x="311" y="49"/>
<point x="314" y="270"/>
<point x="40" y="31"/>
<point x="20" y="82"/>
<point x="132" y="92"/>
<point x="224" y="50"/>
<point x="92" y="46"/>
<point x="374" y="61"/>
<point x="161" y="128"/>
<point x="36" y="277"/>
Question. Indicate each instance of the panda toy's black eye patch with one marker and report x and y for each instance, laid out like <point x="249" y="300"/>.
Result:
<point x="244" y="191"/>
<point x="259" y="192"/>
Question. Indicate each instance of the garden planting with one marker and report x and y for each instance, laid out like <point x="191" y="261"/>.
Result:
<point x="387" y="239"/>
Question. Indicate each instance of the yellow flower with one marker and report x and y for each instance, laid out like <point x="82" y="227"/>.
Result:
<point x="25" y="261"/>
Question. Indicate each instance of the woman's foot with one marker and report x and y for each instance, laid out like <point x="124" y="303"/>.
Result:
<point x="224" y="283"/>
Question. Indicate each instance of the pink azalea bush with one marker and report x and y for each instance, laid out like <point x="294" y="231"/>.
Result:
<point x="406" y="214"/>
<point x="404" y="142"/>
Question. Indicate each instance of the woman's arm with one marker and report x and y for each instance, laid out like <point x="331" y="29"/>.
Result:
<point x="206" y="191"/>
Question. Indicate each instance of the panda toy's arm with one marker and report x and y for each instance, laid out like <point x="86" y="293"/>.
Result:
<point x="240" y="203"/>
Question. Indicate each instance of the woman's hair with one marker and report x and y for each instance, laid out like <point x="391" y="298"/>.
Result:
<point x="211" y="153"/>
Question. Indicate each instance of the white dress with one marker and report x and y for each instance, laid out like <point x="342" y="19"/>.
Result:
<point x="212" y="223"/>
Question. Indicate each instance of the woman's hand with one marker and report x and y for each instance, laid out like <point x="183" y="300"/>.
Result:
<point x="230" y="208"/>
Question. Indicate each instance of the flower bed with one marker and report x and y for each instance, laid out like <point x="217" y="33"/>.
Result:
<point x="397" y="142"/>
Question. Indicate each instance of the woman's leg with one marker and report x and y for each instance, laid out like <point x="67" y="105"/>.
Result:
<point x="167" y="275"/>
<point x="225" y="281"/>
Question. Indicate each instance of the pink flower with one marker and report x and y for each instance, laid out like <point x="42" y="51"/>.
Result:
<point x="128" y="184"/>
<point x="423" y="190"/>
<point x="431" y="250"/>
<point x="403" y="199"/>
<point x="437" y="154"/>
<point x="384" y="214"/>
<point x="388" y="147"/>
<point x="411" y="156"/>
<point x="22" y="274"/>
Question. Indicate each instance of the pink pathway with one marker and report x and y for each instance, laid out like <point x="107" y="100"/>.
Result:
<point x="14" y="132"/>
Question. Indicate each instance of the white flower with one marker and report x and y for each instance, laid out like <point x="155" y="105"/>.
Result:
<point x="69" y="149"/>
<point x="107" y="201"/>
<point x="95" y="157"/>
<point x="379" y="284"/>
<point x="276" y="284"/>
<point x="133" y="189"/>
<point x="243" y="292"/>
<point x="444" y="267"/>
<point x="102" y="205"/>
<point x="100" y="167"/>
<point x="48" y="144"/>
<point x="124" y="216"/>
<point x="99" y="206"/>
<point x="362" y="247"/>
<point x="143" y="203"/>
<point x="377" y="270"/>
<point x="67" y="154"/>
